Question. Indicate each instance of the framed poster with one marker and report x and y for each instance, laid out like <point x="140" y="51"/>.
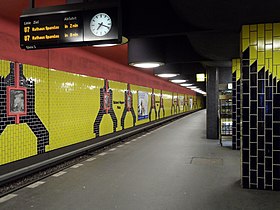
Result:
<point x="16" y="101"/>
<point x="143" y="99"/>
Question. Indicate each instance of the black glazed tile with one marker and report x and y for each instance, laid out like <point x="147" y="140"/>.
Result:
<point x="268" y="135"/>
<point x="253" y="94"/>
<point x="268" y="178"/>
<point x="260" y="142"/>
<point x="268" y="164"/>
<point x="253" y="80"/>
<point x="260" y="158"/>
<point x="260" y="184"/>
<point x="245" y="142"/>
<point x="253" y="107"/>
<point x="276" y="143"/>
<point x="253" y="177"/>
<point x="245" y="169"/>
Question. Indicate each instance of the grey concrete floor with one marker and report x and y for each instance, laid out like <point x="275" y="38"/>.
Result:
<point x="174" y="167"/>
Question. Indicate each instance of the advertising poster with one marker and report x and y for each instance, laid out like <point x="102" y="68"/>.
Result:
<point x="143" y="99"/>
<point x="181" y="103"/>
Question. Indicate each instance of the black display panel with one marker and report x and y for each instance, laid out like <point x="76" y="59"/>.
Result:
<point x="69" y="29"/>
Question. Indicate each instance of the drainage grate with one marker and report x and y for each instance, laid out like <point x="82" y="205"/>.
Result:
<point x="205" y="161"/>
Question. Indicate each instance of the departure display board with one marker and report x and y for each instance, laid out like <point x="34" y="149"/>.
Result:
<point x="69" y="29"/>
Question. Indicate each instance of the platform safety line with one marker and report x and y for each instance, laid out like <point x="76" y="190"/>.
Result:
<point x="112" y="150"/>
<point x="7" y="197"/>
<point x="102" y="154"/>
<point x="134" y="140"/>
<point x="120" y="146"/>
<point x="91" y="159"/>
<point x="36" y="184"/>
<point x="77" y="165"/>
<point x="59" y="174"/>
<point x="127" y="142"/>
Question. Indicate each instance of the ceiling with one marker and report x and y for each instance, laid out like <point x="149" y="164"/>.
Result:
<point x="194" y="34"/>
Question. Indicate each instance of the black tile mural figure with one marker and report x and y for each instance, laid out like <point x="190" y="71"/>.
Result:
<point x="153" y="105"/>
<point x="175" y="105"/>
<point x="185" y="103"/>
<point x="20" y="106"/>
<point x="106" y="107"/>
<point x="161" y="106"/>
<point x="128" y="106"/>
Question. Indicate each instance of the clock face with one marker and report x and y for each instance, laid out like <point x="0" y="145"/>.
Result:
<point x="100" y="24"/>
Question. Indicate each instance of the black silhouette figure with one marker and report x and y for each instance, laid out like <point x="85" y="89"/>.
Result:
<point x="106" y="107"/>
<point x="153" y="105"/>
<point x="161" y="106"/>
<point x="30" y="118"/>
<point x="128" y="106"/>
<point x="175" y="105"/>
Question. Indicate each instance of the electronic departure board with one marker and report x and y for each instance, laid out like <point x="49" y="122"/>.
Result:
<point x="69" y="29"/>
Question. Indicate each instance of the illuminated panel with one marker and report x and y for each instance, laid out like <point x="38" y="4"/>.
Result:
<point x="55" y="29"/>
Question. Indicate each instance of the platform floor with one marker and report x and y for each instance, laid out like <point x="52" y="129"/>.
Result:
<point x="174" y="167"/>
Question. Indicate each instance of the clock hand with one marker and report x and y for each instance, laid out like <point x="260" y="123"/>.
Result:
<point x="100" y="24"/>
<point x="106" y="26"/>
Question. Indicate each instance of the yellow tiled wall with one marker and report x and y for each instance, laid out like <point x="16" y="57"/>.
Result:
<point x="67" y="104"/>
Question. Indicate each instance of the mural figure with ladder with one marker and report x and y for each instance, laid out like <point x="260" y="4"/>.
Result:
<point x="161" y="106"/>
<point x="106" y="107"/>
<point x="175" y="105"/>
<point x="153" y="105"/>
<point x="128" y="106"/>
<point x="18" y="105"/>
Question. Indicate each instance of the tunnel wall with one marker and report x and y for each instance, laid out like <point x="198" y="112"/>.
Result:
<point x="260" y="101"/>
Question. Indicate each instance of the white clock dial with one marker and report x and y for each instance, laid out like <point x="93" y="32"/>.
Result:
<point x="100" y="24"/>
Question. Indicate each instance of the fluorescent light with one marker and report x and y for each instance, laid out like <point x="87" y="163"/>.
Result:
<point x="167" y="75"/>
<point x="192" y="87"/>
<point x="186" y="84"/>
<point x="178" y="80"/>
<point x="104" y="45"/>
<point x="147" y="65"/>
<point x="199" y="91"/>
<point x="124" y="41"/>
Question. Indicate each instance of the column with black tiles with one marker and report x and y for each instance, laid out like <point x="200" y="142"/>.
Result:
<point x="238" y="107"/>
<point x="260" y="106"/>
<point x="268" y="131"/>
<point x="276" y="107"/>
<point x="234" y="104"/>
<point x="268" y="105"/>
<point x="245" y="112"/>
<point x="236" y="112"/>
<point x="261" y="128"/>
<point x="253" y="124"/>
<point x="276" y="132"/>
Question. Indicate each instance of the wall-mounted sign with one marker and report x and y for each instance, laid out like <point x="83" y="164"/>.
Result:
<point x="61" y="26"/>
<point x="200" y="77"/>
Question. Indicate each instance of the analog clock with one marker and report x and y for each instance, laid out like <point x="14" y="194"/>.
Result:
<point x="100" y="24"/>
